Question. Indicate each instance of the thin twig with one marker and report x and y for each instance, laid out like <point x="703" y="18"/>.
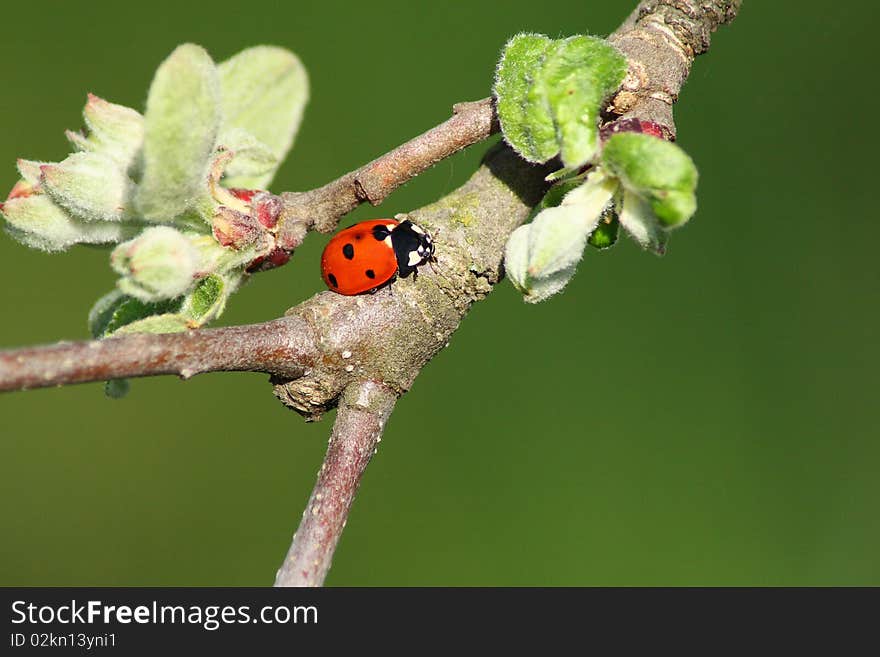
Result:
<point x="360" y="420"/>
<point x="281" y="347"/>
<point x="322" y="208"/>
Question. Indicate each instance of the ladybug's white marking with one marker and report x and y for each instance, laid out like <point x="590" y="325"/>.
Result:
<point x="387" y="240"/>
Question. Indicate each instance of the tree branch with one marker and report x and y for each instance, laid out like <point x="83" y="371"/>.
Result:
<point x="322" y="208"/>
<point x="660" y="39"/>
<point x="363" y="411"/>
<point x="283" y="347"/>
<point x="335" y="350"/>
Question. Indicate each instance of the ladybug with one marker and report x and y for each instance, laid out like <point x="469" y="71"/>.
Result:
<point x="368" y="255"/>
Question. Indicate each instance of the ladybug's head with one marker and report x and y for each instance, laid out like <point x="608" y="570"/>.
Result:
<point x="412" y="247"/>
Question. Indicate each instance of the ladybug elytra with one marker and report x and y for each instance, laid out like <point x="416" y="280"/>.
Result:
<point x="368" y="255"/>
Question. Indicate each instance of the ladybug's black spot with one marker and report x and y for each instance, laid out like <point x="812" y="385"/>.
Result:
<point x="348" y="251"/>
<point x="370" y="273"/>
<point x="332" y="279"/>
<point x="380" y="232"/>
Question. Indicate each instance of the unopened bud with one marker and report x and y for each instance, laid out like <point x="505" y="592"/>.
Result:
<point x="235" y="229"/>
<point x="158" y="264"/>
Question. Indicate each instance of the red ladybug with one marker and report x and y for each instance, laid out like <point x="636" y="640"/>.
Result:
<point x="370" y="254"/>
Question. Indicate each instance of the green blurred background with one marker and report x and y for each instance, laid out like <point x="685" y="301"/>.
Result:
<point x="705" y="418"/>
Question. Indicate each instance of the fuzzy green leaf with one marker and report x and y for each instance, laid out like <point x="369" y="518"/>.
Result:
<point x="549" y="94"/>
<point x="90" y="186"/>
<point x="672" y="207"/>
<point x="658" y="171"/>
<point x="524" y="114"/>
<point x="516" y="258"/>
<point x="29" y="170"/>
<point x="253" y="163"/>
<point x="639" y="220"/>
<point x="577" y="75"/>
<point x="558" y="235"/>
<point x="265" y="90"/>
<point x="541" y="257"/>
<point x="79" y="141"/>
<point x="168" y="323"/>
<point x="516" y="266"/>
<point x="115" y="130"/>
<point x="182" y="121"/>
<point x="557" y="239"/>
<point x="37" y="222"/>
<point x="543" y="288"/>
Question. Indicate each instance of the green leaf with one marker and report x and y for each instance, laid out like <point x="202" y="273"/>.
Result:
<point x="639" y="220"/>
<point x="119" y="313"/>
<point x="115" y="310"/>
<point x="182" y="121"/>
<point x="37" y="222"/>
<point x="160" y="263"/>
<point x="516" y="266"/>
<point x="557" y="192"/>
<point x="559" y="235"/>
<point x="605" y="235"/>
<point x="516" y="258"/>
<point x="90" y="186"/>
<point x="541" y="257"/>
<point x="524" y="115"/>
<point x="101" y="314"/>
<point x="545" y="287"/>
<point x="577" y="75"/>
<point x="169" y="323"/>
<point x="79" y="141"/>
<point x="107" y="314"/>
<point x="673" y="208"/>
<point x="549" y="95"/>
<point x="253" y="163"/>
<point x="114" y="130"/>
<point x="29" y="170"/>
<point x="206" y="301"/>
<point x="116" y="388"/>
<point x="265" y="90"/>
<point x="658" y="171"/>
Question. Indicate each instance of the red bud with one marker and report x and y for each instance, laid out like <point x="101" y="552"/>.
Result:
<point x="243" y="194"/>
<point x="277" y="258"/>
<point x="636" y="125"/>
<point x="235" y="229"/>
<point x="267" y="207"/>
